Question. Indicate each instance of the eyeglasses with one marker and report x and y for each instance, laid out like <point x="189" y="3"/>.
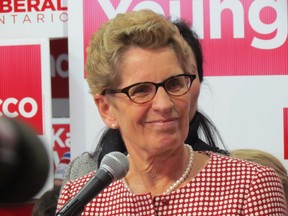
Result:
<point x="144" y="92"/>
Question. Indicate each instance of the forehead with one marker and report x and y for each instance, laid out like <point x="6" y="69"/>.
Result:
<point x="154" y="65"/>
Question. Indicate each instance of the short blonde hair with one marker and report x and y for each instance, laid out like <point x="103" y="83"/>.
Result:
<point x="145" y="29"/>
<point x="265" y="159"/>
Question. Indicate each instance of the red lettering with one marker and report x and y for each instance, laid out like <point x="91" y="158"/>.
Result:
<point x="18" y="4"/>
<point x="33" y="5"/>
<point x="59" y="6"/>
<point x="5" y="6"/>
<point x="48" y="4"/>
<point x="8" y="6"/>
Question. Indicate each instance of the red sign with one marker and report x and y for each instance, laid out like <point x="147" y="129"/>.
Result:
<point x="61" y="140"/>
<point x="247" y="37"/>
<point x="21" y="89"/>
<point x="285" y="126"/>
<point x="59" y="68"/>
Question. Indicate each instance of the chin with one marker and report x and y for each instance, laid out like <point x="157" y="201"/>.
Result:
<point x="168" y="140"/>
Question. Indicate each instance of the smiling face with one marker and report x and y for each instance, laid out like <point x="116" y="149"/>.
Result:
<point x="159" y="124"/>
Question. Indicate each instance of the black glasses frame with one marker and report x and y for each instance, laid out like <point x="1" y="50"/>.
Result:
<point x="157" y="85"/>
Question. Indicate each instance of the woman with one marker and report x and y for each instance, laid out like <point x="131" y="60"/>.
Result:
<point x="140" y="71"/>
<point x="111" y="139"/>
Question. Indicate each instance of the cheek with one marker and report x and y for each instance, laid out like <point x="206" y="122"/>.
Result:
<point x="129" y="114"/>
<point x="194" y="94"/>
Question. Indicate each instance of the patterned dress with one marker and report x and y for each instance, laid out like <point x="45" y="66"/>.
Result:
<point x="226" y="186"/>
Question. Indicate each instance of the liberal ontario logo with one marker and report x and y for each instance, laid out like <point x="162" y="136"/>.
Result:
<point x="28" y="12"/>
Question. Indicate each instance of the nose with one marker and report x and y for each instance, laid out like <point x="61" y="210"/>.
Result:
<point x="162" y="101"/>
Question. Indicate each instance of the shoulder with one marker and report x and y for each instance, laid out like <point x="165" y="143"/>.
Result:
<point x="244" y="173"/>
<point x="80" y="166"/>
<point x="253" y="184"/>
<point x="72" y="187"/>
<point x="238" y="166"/>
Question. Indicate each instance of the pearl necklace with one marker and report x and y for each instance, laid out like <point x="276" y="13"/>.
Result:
<point x="180" y="180"/>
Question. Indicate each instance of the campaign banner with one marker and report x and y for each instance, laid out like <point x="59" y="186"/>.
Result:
<point x="59" y="68"/>
<point x="285" y="132"/>
<point x="239" y="38"/>
<point x="61" y="139"/>
<point x="59" y="77"/>
<point x="23" y="92"/>
<point x="25" y="88"/>
<point x="30" y="19"/>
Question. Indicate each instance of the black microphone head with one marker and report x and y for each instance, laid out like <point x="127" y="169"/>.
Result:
<point x="115" y="163"/>
<point x="24" y="162"/>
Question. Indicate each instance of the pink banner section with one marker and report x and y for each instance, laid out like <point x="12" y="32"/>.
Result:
<point x="21" y="84"/>
<point x="285" y="124"/>
<point x="239" y="38"/>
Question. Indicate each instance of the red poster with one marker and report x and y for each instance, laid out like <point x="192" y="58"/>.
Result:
<point x="61" y="140"/>
<point x="59" y="68"/>
<point x="285" y="126"/>
<point x="21" y="84"/>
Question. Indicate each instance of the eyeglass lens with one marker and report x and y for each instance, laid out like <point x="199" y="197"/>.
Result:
<point x="144" y="92"/>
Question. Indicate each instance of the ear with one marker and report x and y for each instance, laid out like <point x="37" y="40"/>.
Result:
<point x="104" y="109"/>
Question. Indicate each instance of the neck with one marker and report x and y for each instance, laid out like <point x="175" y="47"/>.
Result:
<point x="158" y="175"/>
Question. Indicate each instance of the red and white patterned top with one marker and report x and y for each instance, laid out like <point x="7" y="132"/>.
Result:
<point x="227" y="186"/>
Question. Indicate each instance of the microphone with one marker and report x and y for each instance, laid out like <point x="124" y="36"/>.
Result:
<point x="24" y="162"/>
<point x="114" y="166"/>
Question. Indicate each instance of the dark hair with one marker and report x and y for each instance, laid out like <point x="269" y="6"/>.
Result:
<point x="192" y="39"/>
<point x="202" y="124"/>
<point x="47" y="203"/>
<point x="111" y="139"/>
<point x="200" y="121"/>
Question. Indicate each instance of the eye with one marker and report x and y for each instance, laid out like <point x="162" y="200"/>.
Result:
<point x="141" y="90"/>
<point x="175" y="84"/>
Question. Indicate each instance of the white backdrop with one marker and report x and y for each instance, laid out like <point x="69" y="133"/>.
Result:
<point x="248" y="111"/>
